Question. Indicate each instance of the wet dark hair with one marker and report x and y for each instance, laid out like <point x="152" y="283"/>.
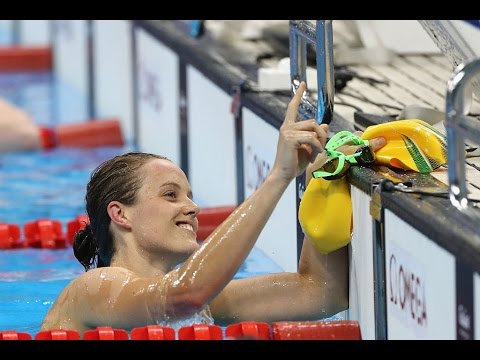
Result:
<point x="115" y="179"/>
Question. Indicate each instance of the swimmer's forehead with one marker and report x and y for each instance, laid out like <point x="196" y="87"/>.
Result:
<point x="164" y="173"/>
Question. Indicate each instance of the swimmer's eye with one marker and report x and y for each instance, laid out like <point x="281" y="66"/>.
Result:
<point x="171" y="194"/>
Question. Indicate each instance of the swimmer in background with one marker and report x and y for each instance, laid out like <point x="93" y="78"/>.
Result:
<point x="19" y="132"/>
<point x="144" y="265"/>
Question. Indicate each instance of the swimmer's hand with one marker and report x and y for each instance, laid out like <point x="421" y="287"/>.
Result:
<point x="375" y="144"/>
<point x="299" y="142"/>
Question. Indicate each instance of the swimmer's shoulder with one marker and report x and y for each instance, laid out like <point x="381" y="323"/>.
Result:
<point x="102" y="274"/>
<point x="73" y="308"/>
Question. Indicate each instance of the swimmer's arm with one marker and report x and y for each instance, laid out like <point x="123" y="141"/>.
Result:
<point x="318" y="290"/>
<point x="211" y="268"/>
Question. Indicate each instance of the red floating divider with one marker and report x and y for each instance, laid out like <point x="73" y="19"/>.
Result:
<point x="248" y="330"/>
<point x="153" y="332"/>
<point x="10" y="236"/>
<point x="105" y="333"/>
<point x="73" y="226"/>
<point x="210" y="218"/>
<point x="44" y="233"/>
<point x="214" y="215"/>
<point x="48" y="138"/>
<point x="316" y="330"/>
<point x="59" y="334"/>
<point x="200" y="332"/>
<point x="14" y="335"/>
<point x="85" y="134"/>
<point x="204" y="231"/>
<point x="21" y="58"/>
<point x="91" y="133"/>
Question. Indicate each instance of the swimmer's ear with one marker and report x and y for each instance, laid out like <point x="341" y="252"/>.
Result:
<point x="116" y="211"/>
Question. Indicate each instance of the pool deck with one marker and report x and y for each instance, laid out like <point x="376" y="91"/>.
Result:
<point x="409" y="79"/>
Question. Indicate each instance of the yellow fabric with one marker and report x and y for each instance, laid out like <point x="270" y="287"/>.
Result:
<point x="325" y="211"/>
<point x="325" y="214"/>
<point x="411" y="145"/>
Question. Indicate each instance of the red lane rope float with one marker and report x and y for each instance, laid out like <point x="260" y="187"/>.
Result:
<point x="47" y="138"/>
<point x="210" y="218"/>
<point x="73" y="226"/>
<point x="204" y="231"/>
<point x="23" y="58"/>
<point x="95" y="132"/>
<point x="45" y="234"/>
<point x="105" y="333"/>
<point x="248" y="330"/>
<point x="200" y="332"/>
<point x="57" y="335"/>
<point x="10" y="236"/>
<point x="152" y="332"/>
<point x="316" y="330"/>
<point x="14" y="335"/>
<point x="283" y="330"/>
<point x="85" y="134"/>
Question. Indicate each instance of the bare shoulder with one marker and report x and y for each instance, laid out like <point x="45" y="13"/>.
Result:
<point x="107" y="271"/>
<point x="87" y="287"/>
<point x="82" y="302"/>
<point x="103" y="275"/>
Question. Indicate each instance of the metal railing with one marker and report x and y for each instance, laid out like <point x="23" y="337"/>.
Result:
<point x="320" y="36"/>
<point x="459" y="128"/>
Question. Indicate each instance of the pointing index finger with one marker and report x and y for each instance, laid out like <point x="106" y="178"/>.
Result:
<point x="292" y="109"/>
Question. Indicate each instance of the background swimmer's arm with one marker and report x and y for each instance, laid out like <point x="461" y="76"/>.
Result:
<point x="18" y="131"/>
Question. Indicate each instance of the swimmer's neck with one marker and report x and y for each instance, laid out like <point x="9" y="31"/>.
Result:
<point x="143" y="266"/>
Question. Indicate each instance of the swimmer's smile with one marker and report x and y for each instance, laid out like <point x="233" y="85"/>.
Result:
<point x="187" y="226"/>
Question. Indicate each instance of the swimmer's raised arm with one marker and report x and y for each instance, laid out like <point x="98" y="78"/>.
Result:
<point x="213" y="266"/>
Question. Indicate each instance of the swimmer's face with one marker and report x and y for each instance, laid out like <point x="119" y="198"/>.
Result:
<point x="164" y="217"/>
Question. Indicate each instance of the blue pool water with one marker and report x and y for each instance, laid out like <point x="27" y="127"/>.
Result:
<point x="34" y="93"/>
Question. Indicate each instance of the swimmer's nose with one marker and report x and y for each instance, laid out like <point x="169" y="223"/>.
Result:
<point x="192" y="209"/>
